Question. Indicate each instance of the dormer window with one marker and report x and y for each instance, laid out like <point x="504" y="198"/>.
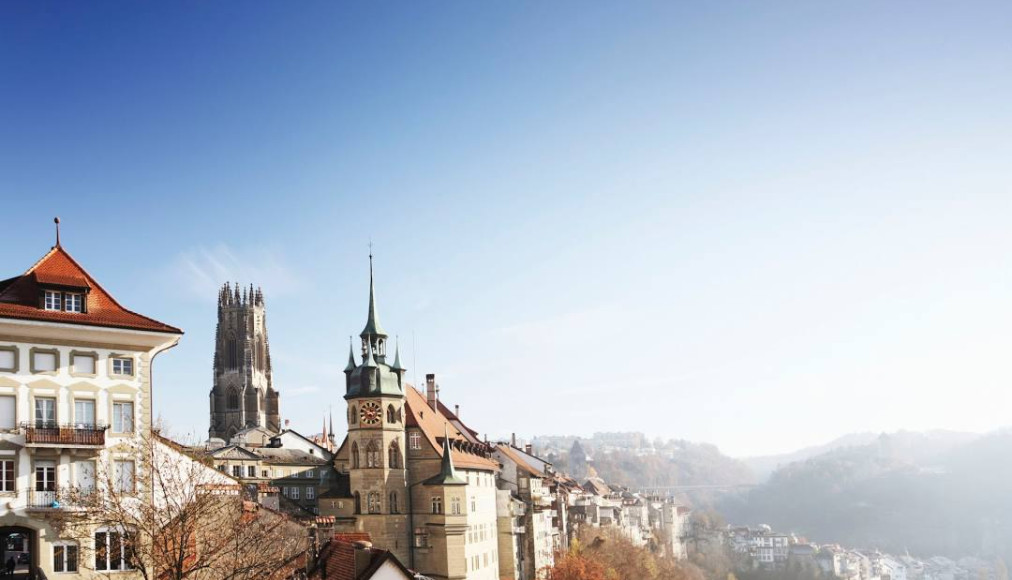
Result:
<point x="73" y="302"/>
<point x="53" y="300"/>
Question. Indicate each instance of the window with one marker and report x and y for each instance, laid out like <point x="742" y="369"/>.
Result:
<point x="123" y="417"/>
<point x="73" y="302"/>
<point x="284" y="491"/>
<point x="455" y="506"/>
<point x="415" y="440"/>
<point x="393" y="502"/>
<point x="233" y="400"/>
<point x="64" y="557"/>
<point x="8" y="359"/>
<point x="84" y="414"/>
<point x="53" y="301"/>
<point x="437" y="505"/>
<point x="44" y="361"/>
<point x="473" y="505"/>
<point x="123" y="366"/>
<point x="354" y="456"/>
<point x="251" y="470"/>
<point x="45" y="412"/>
<point x="358" y="503"/>
<point x="83" y="363"/>
<point x="123" y="472"/>
<point x="352" y="415"/>
<point x="84" y="476"/>
<point x="310" y="474"/>
<point x="112" y="550"/>
<point x="7" y="414"/>
<point x="395" y="455"/>
<point x="372" y="455"/>
<point x="236" y="471"/>
<point x="374" y="502"/>
<point x="421" y="538"/>
<point x="391" y="417"/>
<point x="7" y="475"/>
<point x="310" y="492"/>
<point x="45" y="483"/>
<point x="265" y="473"/>
<point x="294" y="493"/>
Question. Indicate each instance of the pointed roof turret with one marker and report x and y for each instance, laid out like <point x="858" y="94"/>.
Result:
<point x="397" y="358"/>
<point x="351" y="358"/>
<point x="369" y="361"/>
<point x="447" y="474"/>
<point x="372" y="325"/>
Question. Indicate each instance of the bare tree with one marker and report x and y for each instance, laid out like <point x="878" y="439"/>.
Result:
<point x="170" y="516"/>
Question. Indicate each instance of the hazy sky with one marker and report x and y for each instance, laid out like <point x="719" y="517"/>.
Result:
<point x="757" y="224"/>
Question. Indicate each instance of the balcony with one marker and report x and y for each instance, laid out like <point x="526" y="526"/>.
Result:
<point x="53" y="435"/>
<point x="42" y="500"/>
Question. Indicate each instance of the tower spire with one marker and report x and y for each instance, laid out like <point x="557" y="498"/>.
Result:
<point x="372" y="325"/>
<point x="447" y="473"/>
<point x="397" y="357"/>
<point x="351" y="358"/>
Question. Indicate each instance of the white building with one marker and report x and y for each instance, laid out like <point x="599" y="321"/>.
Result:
<point x="75" y="384"/>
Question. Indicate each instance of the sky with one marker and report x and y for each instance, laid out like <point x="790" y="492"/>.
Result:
<point x="757" y="224"/>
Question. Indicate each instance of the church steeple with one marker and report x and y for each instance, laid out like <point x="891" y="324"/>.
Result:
<point x="447" y="472"/>
<point x="351" y="358"/>
<point x="373" y="333"/>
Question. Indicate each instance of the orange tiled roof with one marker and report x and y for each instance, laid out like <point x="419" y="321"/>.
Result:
<point x="522" y="464"/>
<point x="432" y="423"/>
<point x="19" y="297"/>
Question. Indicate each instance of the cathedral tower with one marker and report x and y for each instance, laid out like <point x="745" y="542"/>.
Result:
<point x="243" y="395"/>
<point x="374" y="391"/>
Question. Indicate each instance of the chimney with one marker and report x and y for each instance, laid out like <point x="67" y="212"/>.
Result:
<point x="431" y="391"/>
<point x="513" y="439"/>
<point x="286" y="423"/>
<point x="528" y="449"/>
<point x="456" y="411"/>
<point x="363" y="556"/>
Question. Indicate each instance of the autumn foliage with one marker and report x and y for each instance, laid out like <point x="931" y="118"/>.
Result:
<point x="608" y="555"/>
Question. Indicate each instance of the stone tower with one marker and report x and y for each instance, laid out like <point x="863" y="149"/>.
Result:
<point x="374" y="392"/>
<point x="243" y="395"/>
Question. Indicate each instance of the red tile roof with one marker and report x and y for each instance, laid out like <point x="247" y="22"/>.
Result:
<point x="19" y="297"/>
<point x="433" y="424"/>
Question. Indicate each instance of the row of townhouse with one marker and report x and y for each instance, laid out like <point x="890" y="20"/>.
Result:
<point x="772" y="550"/>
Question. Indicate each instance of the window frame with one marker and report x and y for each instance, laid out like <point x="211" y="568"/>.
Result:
<point x="54" y="305"/>
<point x="133" y="423"/>
<point x="124" y="360"/>
<point x="37" y="351"/>
<point x="123" y="539"/>
<point x="15" y="359"/>
<point x="67" y="547"/>
<point x="8" y="486"/>
<point x="78" y="301"/>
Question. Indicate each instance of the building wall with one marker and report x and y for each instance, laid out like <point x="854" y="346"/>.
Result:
<point x="67" y="385"/>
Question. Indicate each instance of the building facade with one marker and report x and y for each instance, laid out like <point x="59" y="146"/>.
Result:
<point x="410" y="474"/>
<point x="75" y="399"/>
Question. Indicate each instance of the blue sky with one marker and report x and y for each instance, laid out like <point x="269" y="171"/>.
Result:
<point x="757" y="224"/>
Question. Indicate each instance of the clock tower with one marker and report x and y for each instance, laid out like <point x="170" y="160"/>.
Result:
<point x="374" y="392"/>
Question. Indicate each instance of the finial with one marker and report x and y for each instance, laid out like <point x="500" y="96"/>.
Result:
<point x="56" y="220"/>
<point x="351" y="358"/>
<point x="397" y="356"/>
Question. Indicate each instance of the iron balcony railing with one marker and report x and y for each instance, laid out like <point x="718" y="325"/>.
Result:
<point x="39" y="433"/>
<point x="43" y="499"/>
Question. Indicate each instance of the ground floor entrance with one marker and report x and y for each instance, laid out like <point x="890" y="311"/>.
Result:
<point x="18" y="552"/>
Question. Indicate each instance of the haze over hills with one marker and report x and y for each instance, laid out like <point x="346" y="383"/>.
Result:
<point x="932" y="442"/>
<point x="934" y="493"/>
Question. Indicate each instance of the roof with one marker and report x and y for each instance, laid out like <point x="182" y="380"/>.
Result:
<point x="372" y="325"/>
<point x="518" y="459"/>
<point x="19" y="297"/>
<point x="337" y="559"/>
<point x="433" y="424"/>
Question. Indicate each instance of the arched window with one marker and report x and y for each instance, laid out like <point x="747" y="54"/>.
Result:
<point x="352" y="415"/>
<point x="437" y="505"/>
<point x="373" y="458"/>
<point x="394" y="455"/>
<point x="358" y="503"/>
<point x="233" y="400"/>
<point x="374" y="502"/>
<point x="354" y="456"/>
<point x="231" y="353"/>
<point x="393" y="502"/>
<point x="261" y="355"/>
<point x="391" y="417"/>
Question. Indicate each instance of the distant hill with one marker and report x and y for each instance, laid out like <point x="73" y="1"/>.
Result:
<point x="643" y="464"/>
<point x="935" y="493"/>
<point x="929" y="443"/>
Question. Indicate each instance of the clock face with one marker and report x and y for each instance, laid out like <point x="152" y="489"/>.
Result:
<point x="371" y="413"/>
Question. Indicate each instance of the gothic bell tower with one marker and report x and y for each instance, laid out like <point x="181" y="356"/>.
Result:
<point x="374" y="392"/>
<point x="243" y="394"/>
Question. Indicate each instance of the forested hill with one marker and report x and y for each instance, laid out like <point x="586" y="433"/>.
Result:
<point x="656" y="464"/>
<point x="929" y="493"/>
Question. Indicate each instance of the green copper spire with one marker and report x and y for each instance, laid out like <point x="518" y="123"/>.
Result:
<point x="447" y="473"/>
<point x="372" y="325"/>
<point x="369" y="361"/>
<point x="397" y="358"/>
<point x="351" y="358"/>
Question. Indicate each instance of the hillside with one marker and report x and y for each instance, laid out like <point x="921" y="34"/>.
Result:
<point x="936" y="493"/>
